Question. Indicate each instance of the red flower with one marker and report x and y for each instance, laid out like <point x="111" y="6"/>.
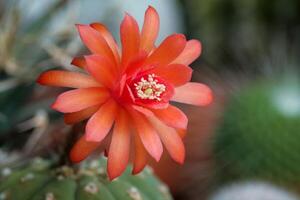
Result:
<point x="130" y="88"/>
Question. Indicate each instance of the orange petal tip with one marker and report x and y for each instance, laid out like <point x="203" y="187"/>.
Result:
<point x="180" y="159"/>
<point x="151" y="9"/>
<point x="208" y="99"/>
<point x="127" y="18"/>
<point x="79" y="62"/>
<point x="54" y="106"/>
<point x="180" y="162"/>
<point x="79" y="25"/>
<point x="136" y="171"/>
<point x="112" y="175"/>
<point x="74" y="158"/>
<point x="127" y="15"/>
<point x="180" y="36"/>
<point x="40" y="79"/>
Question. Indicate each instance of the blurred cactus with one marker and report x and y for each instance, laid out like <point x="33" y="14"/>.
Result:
<point x="236" y="32"/>
<point x="39" y="180"/>
<point x="27" y="47"/>
<point x="252" y="190"/>
<point x="259" y="137"/>
<point x="24" y="44"/>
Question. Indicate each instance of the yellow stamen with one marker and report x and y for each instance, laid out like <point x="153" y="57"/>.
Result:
<point x="149" y="88"/>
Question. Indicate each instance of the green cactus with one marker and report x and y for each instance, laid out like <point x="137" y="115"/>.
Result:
<point x="39" y="180"/>
<point x="252" y="190"/>
<point x="259" y="137"/>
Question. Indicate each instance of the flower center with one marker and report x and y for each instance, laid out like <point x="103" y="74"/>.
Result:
<point x="149" y="88"/>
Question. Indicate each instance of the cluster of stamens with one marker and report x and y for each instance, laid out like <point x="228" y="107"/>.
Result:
<point x="149" y="88"/>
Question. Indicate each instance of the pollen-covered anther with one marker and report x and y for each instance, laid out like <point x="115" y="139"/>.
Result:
<point x="149" y="88"/>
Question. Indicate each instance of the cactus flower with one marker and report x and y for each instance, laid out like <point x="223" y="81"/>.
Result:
<point x="128" y="91"/>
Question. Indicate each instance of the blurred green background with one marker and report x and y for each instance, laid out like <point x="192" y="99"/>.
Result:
<point x="246" y="140"/>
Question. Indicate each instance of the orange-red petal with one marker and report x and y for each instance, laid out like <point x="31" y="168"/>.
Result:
<point x="101" y="122"/>
<point x="79" y="99"/>
<point x="140" y="155"/>
<point x="135" y="63"/>
<point x="109" y="39"/>
<point x="193" y="93"/>
<point x="101" y="69"/>
<point x="150" y="29"/>
<point x="172" y="116"/>
<point x="130" y="38"/>
<point x="61" y="78"/>
<point x="190" y="53"/>
<point x="182" y="133"/>
<point x="95" y="42"/>
<point x="168" y="50"/>
<point x="177" y="74"/>
<point x="72" y="118"/>
<point x="148" y="135"/>
<point x="143" y="110"/>
<point x="119" y="149"/>
<point x="170" y="139"/>
<point x="82" y="149"/>
<point x="79" y="62"/>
